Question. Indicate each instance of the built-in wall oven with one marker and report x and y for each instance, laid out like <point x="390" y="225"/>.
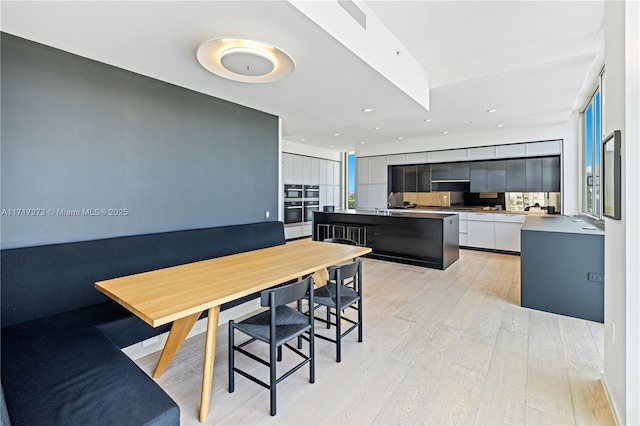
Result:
<point x="293" y="192"/>
<point x="310" y="206"/>
<point x="312" y="192"/>
<point x="293" y="212"/>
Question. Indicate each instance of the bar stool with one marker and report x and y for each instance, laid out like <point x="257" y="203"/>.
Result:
<point x="358" y="234"/>
<point x="323" y="231"/>
<point x="339" y="230"/>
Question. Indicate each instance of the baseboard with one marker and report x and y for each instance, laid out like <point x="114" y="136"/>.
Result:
<point x="614" y="408"/>
<point x="142" y="349"/>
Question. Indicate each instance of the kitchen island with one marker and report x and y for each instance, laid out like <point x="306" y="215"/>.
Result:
<point x="562" y="267"/>
<point x="423" y="239"/>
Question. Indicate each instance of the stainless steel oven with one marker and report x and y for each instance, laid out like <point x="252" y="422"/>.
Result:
<point x="293" y="212"/>
<point x="292" y="192"/>
<point x="310" y="206"/>
<point x="311" y="192"/>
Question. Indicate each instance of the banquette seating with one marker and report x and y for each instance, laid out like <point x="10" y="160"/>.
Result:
<point x="61" y="339"/>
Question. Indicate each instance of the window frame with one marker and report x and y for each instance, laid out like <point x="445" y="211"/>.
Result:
<point x="595" y="102"/>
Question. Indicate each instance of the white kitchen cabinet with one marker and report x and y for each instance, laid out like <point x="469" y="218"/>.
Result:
<point x="292" y="232"/>
<point x="482" y="153"/>
<point x="337" y="199"/>
<point x="362" y="171"/>
<point x="330" y="192"/>
<point x="287" y="168"/>
<point x="481" y="230"/>
<point x="362" y="196"/>
<point x="322" y="171"/>
<point x="378" y="170"/>
<point x="315" y="171"/>
<point x="464" y="240"/>
<point x="336" y="172"/>
<point x="417" y="158"/>
<point x="544" y="148"/>
<point x="507" y="230"/>
<point x="323" y="196"/>
<point x="396" y="159"/>
<point x="330" y="175"/>
<point x="511" y="150"/>
<point x="306" y="170"/>
<point x="297" y="169"/>
<point x="378" y="195"/>
<point x="447" y="155"/>
<point x="306" y="229"/>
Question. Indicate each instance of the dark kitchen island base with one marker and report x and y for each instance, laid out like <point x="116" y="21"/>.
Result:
<point x="423" y="239"/>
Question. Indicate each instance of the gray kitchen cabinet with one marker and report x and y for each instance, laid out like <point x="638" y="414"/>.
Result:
<point x="516" y="175"/>
<point x="459" y="171"/>
<point x="397" y="179"/>
<point x="424" y="178"/>
<point x="551" y="174"/>
<point x="534" y="174"/>
<point x="478" y="176"/>
<point x="440" y="171"/>
<point x="362" y="170"/>
<point x="287" y="168"/>
<point x="410" y="179"/>
<point x="496" y="176"/>
<point x="362" y="196"/>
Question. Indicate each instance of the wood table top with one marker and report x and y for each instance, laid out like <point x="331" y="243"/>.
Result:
<point x="161" y="296"/>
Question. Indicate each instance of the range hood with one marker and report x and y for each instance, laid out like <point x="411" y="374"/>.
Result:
<point x="451" y="185"/>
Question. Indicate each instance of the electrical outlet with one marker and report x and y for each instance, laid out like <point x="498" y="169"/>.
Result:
<point x="266" y="214"/>
<point x="150" y="341"/>
<point x="598" y="278"/>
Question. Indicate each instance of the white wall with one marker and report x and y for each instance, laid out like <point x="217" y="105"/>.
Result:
<point x="621" y="95"/>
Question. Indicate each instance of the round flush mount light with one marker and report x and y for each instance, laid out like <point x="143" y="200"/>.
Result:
<point x="245" y="60"/>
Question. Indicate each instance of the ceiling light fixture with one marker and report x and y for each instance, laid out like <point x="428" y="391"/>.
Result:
<point x="367" y="109"/>
<point x="500" y="125"/>
<point x="400" y="138"/>
<point x="361" y="142"/>
<point x="245" y="60"/>
<point x="491" y="110"/>
<point x="330" y="146"/>
<point x="336" y="134"/>
<point x="303" y="140"/>
<point x="376" y="128"/>
<point x="445" y="132"/>
<point x="428" y="120"/>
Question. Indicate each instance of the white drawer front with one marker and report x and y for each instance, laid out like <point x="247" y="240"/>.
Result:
<point x="508" y="217"/>
<point x="486" y="217"/>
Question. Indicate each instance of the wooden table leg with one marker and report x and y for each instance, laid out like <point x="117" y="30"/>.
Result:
<point x="179" y="331"/>
<point x="209" y="358"/>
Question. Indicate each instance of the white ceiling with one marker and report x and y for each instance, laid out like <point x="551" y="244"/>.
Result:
<point x="527" y="59"/>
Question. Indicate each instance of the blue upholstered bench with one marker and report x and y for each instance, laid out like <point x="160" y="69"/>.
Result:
<point x="61" y="339"/>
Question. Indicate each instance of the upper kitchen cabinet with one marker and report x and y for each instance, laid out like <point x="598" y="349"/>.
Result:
<point x="496" y="176"/>
<point x="395" y="159"/>
<point x="410" y="179"/>
<point x="459" y="171"/>
<point x="315" y="171"/>
<point x="330" y="174"/>
<point x="533" y="175"/>
<point x="516" y="175"/>
<point x="396" y="178"/>
<point x="336" y="172"/>
<point x="306" y="170"/>
<point x="424" y="178"/>
<point x="440" y="171"/>
<point x="551" y="174"/>
<point x="322" y="171"/>
<point x="478" y="176"/>
<point x="544" y="148"/>
<point x="378" y="169"/>
<point x="287" y="168"/>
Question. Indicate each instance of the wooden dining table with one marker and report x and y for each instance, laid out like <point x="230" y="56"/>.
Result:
<point x="180" y="294"/>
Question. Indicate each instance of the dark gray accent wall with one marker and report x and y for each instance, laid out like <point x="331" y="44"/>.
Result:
<point x="78" y="135"/>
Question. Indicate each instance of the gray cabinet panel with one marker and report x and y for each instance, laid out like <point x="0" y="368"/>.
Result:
<point x="551" y="174"/>
<point x="424" y="178"/>
<point x="410" y="179"/>
<point x="478" y="176"/>
<point x="516" y="175"/>
<point x="397" y="178"/>
<point x="459" y="171"/>
<point x="440" y="171"/>
<point x="496" y="176"/>
<point x="534" y="174"/>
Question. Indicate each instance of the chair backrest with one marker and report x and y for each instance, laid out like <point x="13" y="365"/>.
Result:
<point x="345" y="272"/>
<point x="287" y="293"/>
<point x="345" y="241"/>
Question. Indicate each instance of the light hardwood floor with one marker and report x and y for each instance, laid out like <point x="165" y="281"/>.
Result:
<point x="440" y="347"/>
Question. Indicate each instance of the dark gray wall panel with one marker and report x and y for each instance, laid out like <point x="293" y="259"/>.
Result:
<point x="78" y="134"/>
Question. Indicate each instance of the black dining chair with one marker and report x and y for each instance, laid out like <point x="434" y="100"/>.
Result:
<point x="276" y="326"/>
<point x="341" y="293"/>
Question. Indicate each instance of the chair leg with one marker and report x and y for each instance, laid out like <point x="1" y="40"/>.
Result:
<point x="360" y="320"/>
<point x="279" y="353"/>
<point x="312" y="363"/>
<point x="299" y="337"/>
<point x="231" y="359"/>
<point x="272" y="377"/>
<point x="328" y="317"/>
<point x="338" y="333"/>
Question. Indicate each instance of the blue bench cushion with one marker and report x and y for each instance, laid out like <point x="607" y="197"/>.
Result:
<point x="77" y="376"/>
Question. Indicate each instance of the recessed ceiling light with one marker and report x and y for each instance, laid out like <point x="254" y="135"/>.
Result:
<point x="428" y="120"/>
<point x="445" y="132"/>
<point x="491" y="110"/>
<point x="367" y="109"/>
<point x="471" y="122"/>
<point x="303" y="140"/>
<point x="361" y="142"/>
<point x="376" y="128"/>
<point x="331" y="146"/>
<point x="336" y="134"/>
<point x="400" y="138"/>
<point x="245" y="60"/>
<point x="500" y="125"/>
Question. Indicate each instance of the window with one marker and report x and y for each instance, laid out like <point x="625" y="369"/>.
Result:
<point x="592" y="140"/>
<point x="351" y="180"/>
